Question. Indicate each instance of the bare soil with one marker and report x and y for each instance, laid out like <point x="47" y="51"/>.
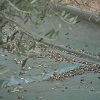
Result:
<point x="91" y="5"/>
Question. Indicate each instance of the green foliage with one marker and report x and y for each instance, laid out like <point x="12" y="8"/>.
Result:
<point x="13" y="37"/>
<point x="52" y="33"/>
<point x="24" y="62"/>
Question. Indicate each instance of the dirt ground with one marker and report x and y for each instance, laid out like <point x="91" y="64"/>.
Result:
<point x="91" y="5"/>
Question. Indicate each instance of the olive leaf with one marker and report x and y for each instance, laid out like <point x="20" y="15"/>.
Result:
<point x="49" y="32"/>
<point x="24" y="62"/>
<point x="2" y="5"/>
<point x="19" y="41"/>
<point x="13" y="36"/>
<point x="73" y="20"/>
<point x="52" y="33"/>
<point x="63" y="13"/>
<point x="66" y="15"/>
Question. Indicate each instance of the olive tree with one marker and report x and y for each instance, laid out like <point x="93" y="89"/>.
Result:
<point x="14" y="38"/>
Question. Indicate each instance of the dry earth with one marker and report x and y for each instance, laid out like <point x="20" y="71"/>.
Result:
<point x="91" y="5"/>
